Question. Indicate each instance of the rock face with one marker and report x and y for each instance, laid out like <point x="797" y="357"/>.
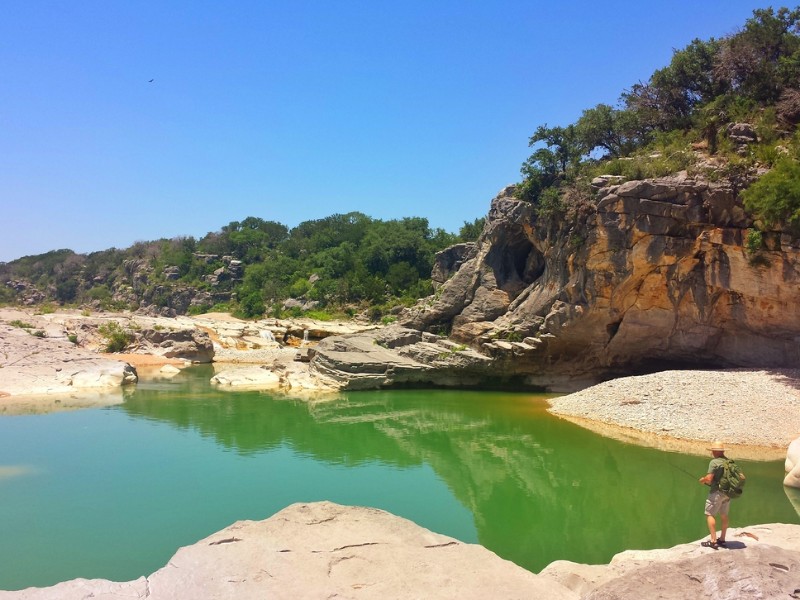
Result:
<point x="397" y="355"/>
<point x="325" y="550"/>
<point x="188" y="344"/>
<point x="643" y="276"/>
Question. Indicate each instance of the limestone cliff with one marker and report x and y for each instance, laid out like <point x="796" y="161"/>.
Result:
<point x="641" y="275"/>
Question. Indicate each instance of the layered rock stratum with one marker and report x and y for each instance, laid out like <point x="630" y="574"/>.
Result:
<point x="643" y="276"/>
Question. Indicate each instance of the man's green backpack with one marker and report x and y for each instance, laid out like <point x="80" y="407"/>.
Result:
<point x="731" y="479"/>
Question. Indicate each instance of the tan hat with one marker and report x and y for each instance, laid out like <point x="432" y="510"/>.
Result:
<point x="717" y="446"/>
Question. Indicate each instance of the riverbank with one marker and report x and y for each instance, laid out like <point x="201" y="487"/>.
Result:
<point x="755" y="412"/>
<point x="58" y="356"/>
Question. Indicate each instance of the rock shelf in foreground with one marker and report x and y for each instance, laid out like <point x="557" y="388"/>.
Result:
<point x="325" y="550"/>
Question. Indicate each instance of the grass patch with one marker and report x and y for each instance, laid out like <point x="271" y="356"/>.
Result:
<point x="20" y="324"/>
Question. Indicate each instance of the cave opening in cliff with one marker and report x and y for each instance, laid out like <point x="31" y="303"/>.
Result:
<point x="518" y="265"/>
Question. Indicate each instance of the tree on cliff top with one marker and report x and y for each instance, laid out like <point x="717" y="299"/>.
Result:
<point x="706" y="85"/>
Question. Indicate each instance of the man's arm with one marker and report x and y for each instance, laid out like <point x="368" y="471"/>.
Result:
<point x="707" y="479"/>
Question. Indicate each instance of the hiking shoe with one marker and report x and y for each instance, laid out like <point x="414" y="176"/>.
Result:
<point x="709" y="544"/>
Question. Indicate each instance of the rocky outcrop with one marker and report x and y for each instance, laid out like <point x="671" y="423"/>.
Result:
<point x="33" y="364"/>
<point x="188" y="344"/>
<point x="397" y="355"/>
<point x="448" y="261"/>
<point x="792" y="465"/>
<point x="759" y="562"/>
<point x="325" y="550"/>
<point x="642" y="276"/>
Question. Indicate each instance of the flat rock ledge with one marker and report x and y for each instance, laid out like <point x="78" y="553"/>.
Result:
<point x="325" y="550"/>
<point x="32" y="365"/>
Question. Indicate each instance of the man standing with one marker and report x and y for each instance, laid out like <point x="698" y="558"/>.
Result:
<point x="717" y="503"/>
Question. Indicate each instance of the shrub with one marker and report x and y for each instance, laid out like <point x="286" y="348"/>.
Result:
<point x="775" y="197"/>
<point x="220" y="307"/>
<point x="117" y="339"/>
<point x="73" y="337"/>
<point x="549" y="203"/>
<point x="754" y="240"/>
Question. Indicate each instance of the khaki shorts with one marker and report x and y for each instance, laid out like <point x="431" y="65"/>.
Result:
<point x="717" y="503"/>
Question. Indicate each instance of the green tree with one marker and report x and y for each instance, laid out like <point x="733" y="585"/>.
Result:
<point x="670" y="96"/>
<point x="761" y="60"/>
<point x="775" y="197"/>
<point x="563" y="149"/>
<point x="470" y="232"/>
<point x="615" y="131"/>
<point x="551" y="163"/>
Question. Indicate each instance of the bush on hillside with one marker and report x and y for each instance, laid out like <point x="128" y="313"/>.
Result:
<point x="775" y="197"/>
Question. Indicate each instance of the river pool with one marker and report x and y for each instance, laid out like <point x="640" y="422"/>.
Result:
<point x="113" y="492"/>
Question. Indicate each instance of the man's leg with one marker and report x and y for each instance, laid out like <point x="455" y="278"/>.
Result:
<point x="724" y="520"/>
<point x="712" y="527"/>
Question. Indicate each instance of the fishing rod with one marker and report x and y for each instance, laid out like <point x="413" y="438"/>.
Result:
<point x="682" y="470"/>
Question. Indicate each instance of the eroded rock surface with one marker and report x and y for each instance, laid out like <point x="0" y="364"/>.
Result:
<point x="322" y="550"/>
<point x="325" y="550"/>
<point x="760" y="562"/>
<point x="792" y="464"/>
<point x="397" y="355"/>
<point x="643" y="276"/>
<point x="34" y="365"/>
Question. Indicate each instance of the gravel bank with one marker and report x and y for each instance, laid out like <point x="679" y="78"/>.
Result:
<point x="755" y="412"/>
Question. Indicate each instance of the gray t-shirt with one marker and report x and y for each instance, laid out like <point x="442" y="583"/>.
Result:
<point x="715" y="467"/>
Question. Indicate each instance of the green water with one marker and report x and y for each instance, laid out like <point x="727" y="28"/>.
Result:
<point x="113" y="492"/>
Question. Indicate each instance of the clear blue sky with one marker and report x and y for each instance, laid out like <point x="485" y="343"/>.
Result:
<point x="294" y="110"/>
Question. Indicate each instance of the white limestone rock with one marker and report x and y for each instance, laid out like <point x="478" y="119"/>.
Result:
<point x="792" y="465"/>
<point x="247" y="377"/>
<point x="322" y="550"/>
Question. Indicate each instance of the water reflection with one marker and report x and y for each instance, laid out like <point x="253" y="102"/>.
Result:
<point x="539" y="488"/>
<point x="793" y="494"/>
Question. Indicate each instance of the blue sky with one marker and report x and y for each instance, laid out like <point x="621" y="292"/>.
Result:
<point x="296" y="110"/>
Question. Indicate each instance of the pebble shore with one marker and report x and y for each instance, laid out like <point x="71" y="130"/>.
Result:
<point x="755" y="412"/>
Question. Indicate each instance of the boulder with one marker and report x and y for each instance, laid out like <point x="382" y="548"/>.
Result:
<point x="188" y="344"/>
<point x="792" y="465"/>
<point x="742" y="133"/>
<point x="247" y="377"/>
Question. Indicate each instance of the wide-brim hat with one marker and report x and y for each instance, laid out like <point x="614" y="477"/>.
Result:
<point x="717" y="446"/>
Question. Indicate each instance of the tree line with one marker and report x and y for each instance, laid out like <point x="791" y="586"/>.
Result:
<point x="341" y="261"/>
